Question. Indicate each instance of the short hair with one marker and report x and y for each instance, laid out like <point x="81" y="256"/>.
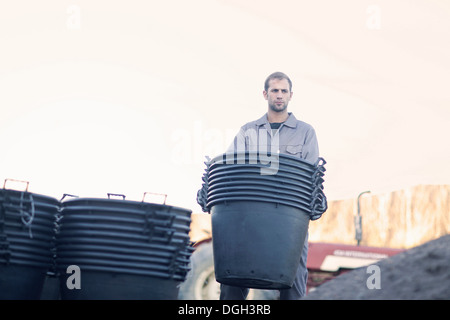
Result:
<point x="277" y="75"/>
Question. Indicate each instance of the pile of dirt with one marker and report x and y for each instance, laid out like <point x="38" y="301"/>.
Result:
<point x="420" y="273"/>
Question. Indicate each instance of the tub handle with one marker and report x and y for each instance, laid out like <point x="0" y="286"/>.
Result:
<point x="116" y="195"/>
<point x="68" y="195"/>
<point x="157" y="194"/>
<point x="22" y="181"/>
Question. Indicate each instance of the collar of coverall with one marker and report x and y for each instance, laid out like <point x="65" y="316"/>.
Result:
<point x="291" y="121"/>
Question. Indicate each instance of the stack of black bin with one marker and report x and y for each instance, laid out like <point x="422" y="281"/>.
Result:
<point x="99" y="248"/>
<point x="124" y="249"/>
<point x="260" y="209"/>
<point x="27" y="226"/>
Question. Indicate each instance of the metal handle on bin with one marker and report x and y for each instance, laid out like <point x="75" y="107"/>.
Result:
<point x="116" y="195"/>
<point x="68" y="195"/>
<point x="158" y="194"/>
<point x="27" y="182"/>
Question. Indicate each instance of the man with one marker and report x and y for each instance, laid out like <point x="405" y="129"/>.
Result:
<point x="284" y="134"/>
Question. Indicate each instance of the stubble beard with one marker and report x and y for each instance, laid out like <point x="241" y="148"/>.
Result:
<point x="274" y="107"/>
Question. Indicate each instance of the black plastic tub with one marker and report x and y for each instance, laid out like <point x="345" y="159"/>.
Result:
<point x="257" y="244"/>
<point x="21" y="282"/>
<point x="116" y="285"/>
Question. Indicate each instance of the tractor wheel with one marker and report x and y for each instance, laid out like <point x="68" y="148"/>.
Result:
<point x="201" y="284"/>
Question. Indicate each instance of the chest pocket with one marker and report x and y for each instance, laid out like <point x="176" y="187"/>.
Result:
<point x="295" y="150"/>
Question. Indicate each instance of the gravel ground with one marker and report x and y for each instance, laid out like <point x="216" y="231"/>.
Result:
<point x="420" y="273"/>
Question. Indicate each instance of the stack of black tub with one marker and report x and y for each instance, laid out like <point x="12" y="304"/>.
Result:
<point x="99" y="248"/>
<point x="260" y="208"/>
<point x="27" y="227"/>
<point x="124" y="249"/>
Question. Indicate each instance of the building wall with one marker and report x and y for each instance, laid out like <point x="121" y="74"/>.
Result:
<point x="400" y="219"/>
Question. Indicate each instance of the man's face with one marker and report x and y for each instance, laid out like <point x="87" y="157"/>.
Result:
<point x="278" y="95"/>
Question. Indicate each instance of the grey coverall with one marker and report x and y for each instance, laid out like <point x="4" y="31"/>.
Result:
<point x="293" y="137"/>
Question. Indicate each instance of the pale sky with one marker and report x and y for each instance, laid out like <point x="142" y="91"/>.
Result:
<point x="102" y="97"/>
